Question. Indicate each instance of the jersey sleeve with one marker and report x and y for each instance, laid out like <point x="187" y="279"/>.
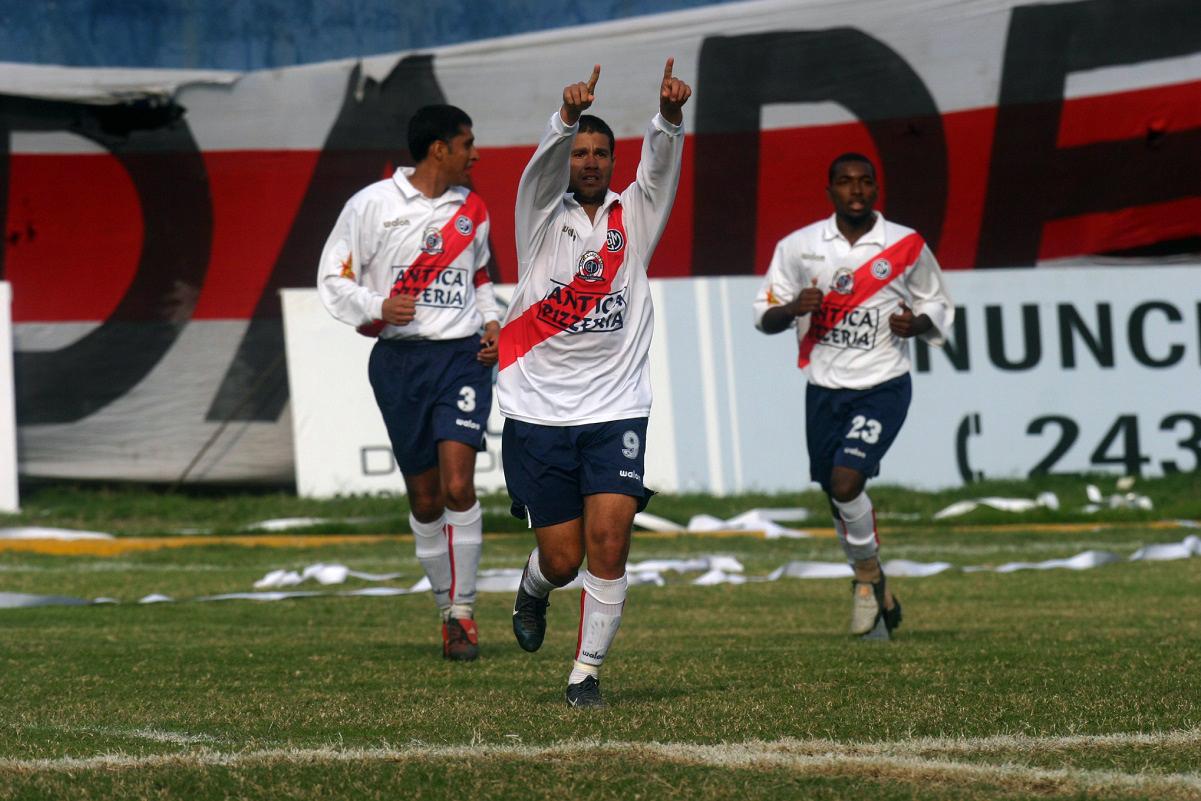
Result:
<point x="928" y="289"/>
<point x="344" y="263"/>
<point x="541" y="188"/>
<point x="649" y="199"/>
<point x="782" y="284"/>
<point x="485" y="296"/>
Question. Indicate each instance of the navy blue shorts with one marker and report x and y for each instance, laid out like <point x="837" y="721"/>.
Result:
<point x="427" y="391"/>
<point x="853" y="427"/>
<point x="549" y="469"/>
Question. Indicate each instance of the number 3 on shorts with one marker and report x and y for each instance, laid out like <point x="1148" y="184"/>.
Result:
<point x="864" y="429"/>
<point x="467" y="399"/>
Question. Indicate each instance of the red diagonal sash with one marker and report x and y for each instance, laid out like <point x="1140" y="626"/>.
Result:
<point x="556" y="313"/>
<point x="865" y="285"/>
<point x="426" y="268"/>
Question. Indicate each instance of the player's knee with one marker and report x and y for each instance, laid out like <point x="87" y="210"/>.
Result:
<point x="846" y="485"/>
<point x="559" y="569"/>
<point x="460" y="492"/>
<point x="426" y="508"/>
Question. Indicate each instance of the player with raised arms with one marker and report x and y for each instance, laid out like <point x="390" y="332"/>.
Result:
<point x="406" y="262"/>
<point x="856" y="288"/>
<point x="574" y="381"/>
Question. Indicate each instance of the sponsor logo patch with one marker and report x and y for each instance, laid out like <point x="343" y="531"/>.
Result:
<point x="614" y="241"/>
<point x="395" y="223"/>
<point x="591" y="267"/>
<point x="577" y="312"/>
<point x="840" y="327"/>
<point x="844" y="281"/>
<point x="855" y="452"/>
<point x="445" y="288"/>
<point x="474" y="426"/>
<point x="431" y="241"/>
<point x="629" y="474"/>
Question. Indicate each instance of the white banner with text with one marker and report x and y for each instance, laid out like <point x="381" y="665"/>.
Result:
<point x="1055" y="370"/>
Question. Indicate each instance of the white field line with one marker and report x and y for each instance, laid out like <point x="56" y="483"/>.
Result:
<point x="914" y="760"/>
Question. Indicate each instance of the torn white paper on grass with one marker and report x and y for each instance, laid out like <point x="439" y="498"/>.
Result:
<point x="1045" y="500"/>
<point x="655" y="523"/>
<point x="765" y="520"/>
<point x="321" y="573"/>
<point x="40" y="533"/>
<point x="1081" y="561"/>
<point x="714" y="569"/>
<point x="1190" y="546"/>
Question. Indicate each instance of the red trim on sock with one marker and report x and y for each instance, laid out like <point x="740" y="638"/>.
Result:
<point x="450" y="549"/>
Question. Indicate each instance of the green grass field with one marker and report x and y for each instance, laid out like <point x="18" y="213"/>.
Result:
<point x="1034" y="684"/>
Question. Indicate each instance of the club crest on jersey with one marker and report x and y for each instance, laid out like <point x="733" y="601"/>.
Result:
<point x="431" y="241"/>
<point x="464" y="225"/>
<point x="614" y="241"/>
<point x="591" y="267"/>
<point x="844" y="281"/>
<point x="881" y="268"/>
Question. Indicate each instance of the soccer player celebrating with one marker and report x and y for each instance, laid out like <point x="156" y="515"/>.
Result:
<point x="574" y="379"/>
<point x="406" y="262"/>
<point x="857" y="288"/>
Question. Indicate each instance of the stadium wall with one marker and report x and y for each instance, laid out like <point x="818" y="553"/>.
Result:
<point x="153" y="216"/>
<point x="1063" y="374"/>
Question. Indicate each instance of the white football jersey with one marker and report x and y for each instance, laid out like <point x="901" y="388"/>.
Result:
<point x="390" y="238"/>
<point x="576" y="338"/>
<point x="847" y="344"/>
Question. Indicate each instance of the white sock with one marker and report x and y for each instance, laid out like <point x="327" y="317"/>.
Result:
<point x="434" y="557"/>
<point x="601" y="602"/>
<point x="859" y="519"/>
<point x="465" y="536"/>
<point x="840" y="529"/>
<point x="534" y="582"/>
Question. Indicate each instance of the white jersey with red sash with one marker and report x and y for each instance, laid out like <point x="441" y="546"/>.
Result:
<point x="847" y="343"/>
<point x="575" y="342"/>
<point x="391" y="239"/>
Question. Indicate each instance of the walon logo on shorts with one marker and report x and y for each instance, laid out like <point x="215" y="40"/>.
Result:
<point x="576" y="312"/>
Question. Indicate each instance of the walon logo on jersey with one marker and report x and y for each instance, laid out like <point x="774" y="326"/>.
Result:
<point x="591" y="267"/>
<point x="431" y="241"/>
<point x="614" y="240"/>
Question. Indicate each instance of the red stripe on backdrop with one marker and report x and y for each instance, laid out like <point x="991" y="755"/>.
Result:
<point x="72" y="238"/>
<point x="1118" y="230"/>
<point x="1130" y="115"/>
<point x="256" y="195"/>
<point x="73" y="233"/>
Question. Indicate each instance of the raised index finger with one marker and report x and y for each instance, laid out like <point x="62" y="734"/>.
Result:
<point x="667" y="69"/>
<point x="595" y="77"/>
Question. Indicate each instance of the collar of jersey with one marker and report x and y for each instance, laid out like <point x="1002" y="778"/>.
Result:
<point x="611" y="197"/>
<point x="872" y="237"/>
<point x="454" y="194"/>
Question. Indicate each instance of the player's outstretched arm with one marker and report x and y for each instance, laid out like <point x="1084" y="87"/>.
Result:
<point x="578" y="97"/>
<point x="546" y="177"/>
<point x="673" y="94"/>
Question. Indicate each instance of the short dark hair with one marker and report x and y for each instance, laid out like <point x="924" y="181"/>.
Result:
<point x="849" y="157"/>
<point x="591" y="124"/>
<point x="437" y="123"/>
